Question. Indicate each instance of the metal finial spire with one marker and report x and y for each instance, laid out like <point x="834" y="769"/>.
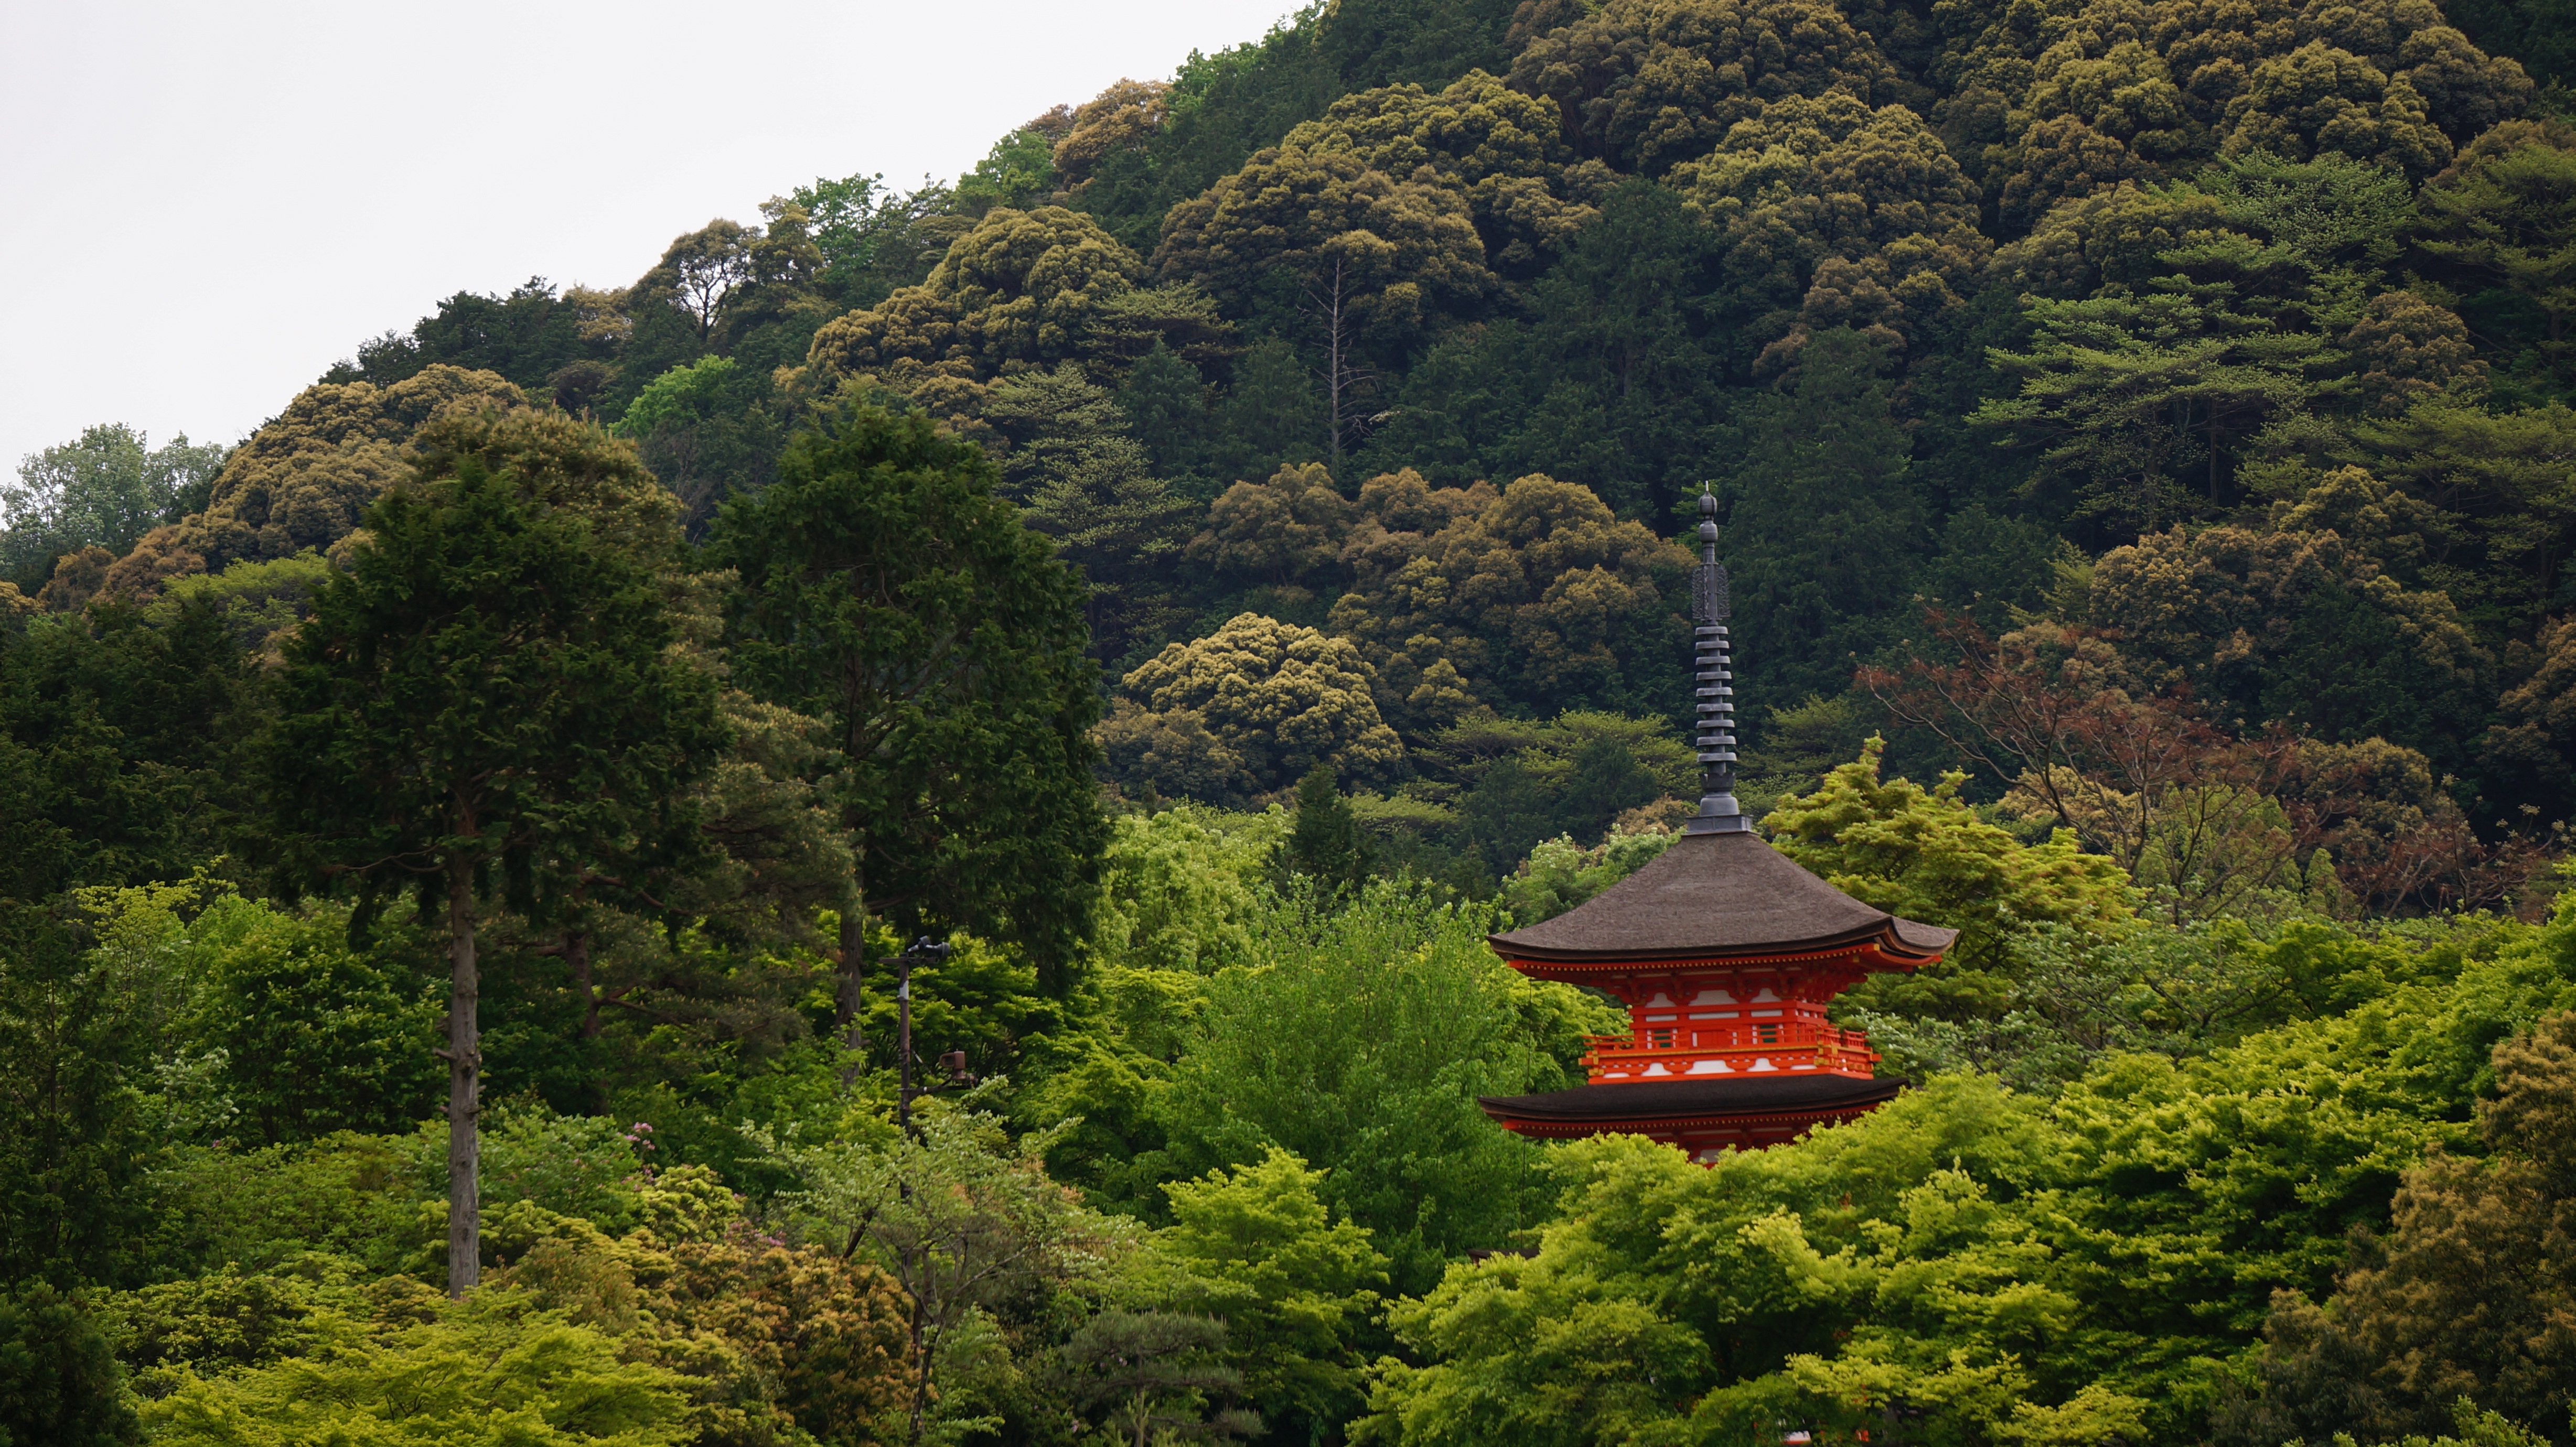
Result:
<point x="1718" y="812"/>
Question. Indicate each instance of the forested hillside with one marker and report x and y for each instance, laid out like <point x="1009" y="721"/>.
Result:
<point x="1169" y="593"/>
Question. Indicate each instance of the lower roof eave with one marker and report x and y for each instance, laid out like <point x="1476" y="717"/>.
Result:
<point x="1639" y="1125"/>
<point x="1684" y="1103"/>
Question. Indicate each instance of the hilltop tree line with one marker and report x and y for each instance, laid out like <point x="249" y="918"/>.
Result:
<point x="1206" y="567"/>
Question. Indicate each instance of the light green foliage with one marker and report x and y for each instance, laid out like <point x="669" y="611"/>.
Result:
<point x="677" y="397"/>
<point x="492" y="1373"/>
<point x="1249" y="709"/>
<point x="1018" y="170"/>
<point x="2008" y="1265"/>
<point x="1560" y="874"/>
<point x="103" y="490"/>
<point x="261" y="602"/>
<point x="963" y="1217"/>
<point x="268" y="1023"/>
<point x="1294" y="1286"/>
<point x="1181" y="884"/>
<point x="2466" y="1293"/>
<point x="1925" y="855"/>
<point x="1358" y="1040"/>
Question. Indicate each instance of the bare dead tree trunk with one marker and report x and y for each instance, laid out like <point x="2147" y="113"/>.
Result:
<point x="464" y="1087"/>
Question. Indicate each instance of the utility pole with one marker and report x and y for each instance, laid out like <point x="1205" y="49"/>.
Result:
<point x="954" y="1062"/>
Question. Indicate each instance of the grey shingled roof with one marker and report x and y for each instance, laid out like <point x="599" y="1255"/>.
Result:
<point x="1718" y="894"/>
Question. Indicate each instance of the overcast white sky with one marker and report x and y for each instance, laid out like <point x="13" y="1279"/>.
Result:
<point x="208" y="204"/>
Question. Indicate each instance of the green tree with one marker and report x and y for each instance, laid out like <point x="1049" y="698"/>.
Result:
<point x="105" y="489"/>
<point x="2469" y="1295"/>
<point x="1647" y="84"/>
<point x="1358" y="1040"/>
<point x="1294" y="1286"/>
<point x="73" y="1207"/>
<point x="1327" y="844"/>
<point x="493" y="1373"/>
<point x="485" y="699"/>
<point x="1537" y="595"/>
<point x="1926" y="855"/>
<point x="965" y="1220"/>
<point x="889" y="593"/>
<point x="2503" y="216"/>
<point x="304" y="479"/>
<point x="121" y="740"/>
<point x="1087" y="483"/>
<point x="316" y="1036"/>
<point x="1149" y="1373"/>
<point x="1824" y="525"/>
<point x="1273" y="701"/>
<point x="59" y="1381"/>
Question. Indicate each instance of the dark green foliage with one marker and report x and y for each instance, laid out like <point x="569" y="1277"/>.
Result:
<point x="1165" y="401"/>
<point x="2539" y="33"/>
<point x="60" y="1385"/>
<point x="528" y="337"/>
<point x="1608" y="382"/>
<point x="1327" y="845"/>
<point x="1228" y="105"/>
<point x="119" y="746"/>
<point x="73" y="1203"/>
<point x="1273" y="415"/>
<point x="483" y="701"/>
<point x="2206" y="361"/>
<point x="1147" y="1372"/>
<point x="887" y="591"/>
<point x="1821" y="526"/>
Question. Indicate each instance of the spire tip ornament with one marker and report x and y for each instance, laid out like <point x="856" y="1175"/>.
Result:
<point x="1710" y="608"/>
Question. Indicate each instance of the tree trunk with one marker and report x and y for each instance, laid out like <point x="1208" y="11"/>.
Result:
<point x="464" y="1088"/>
<point x="854" y="960"/>
<point x="577" y="954"/>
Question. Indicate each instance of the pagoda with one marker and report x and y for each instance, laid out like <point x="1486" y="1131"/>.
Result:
<point x="1727" y="955"/>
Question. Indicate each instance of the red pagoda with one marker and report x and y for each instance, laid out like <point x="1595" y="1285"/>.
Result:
<point x="1727" y="955"/>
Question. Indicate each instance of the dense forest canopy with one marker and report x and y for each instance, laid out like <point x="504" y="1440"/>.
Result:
<point x="1130" y="621"/>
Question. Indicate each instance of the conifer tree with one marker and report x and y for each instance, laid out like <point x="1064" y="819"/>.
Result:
<point x="1327" y="845"/>
<point x="484" y="699"/>
<point x="890" y="593"/>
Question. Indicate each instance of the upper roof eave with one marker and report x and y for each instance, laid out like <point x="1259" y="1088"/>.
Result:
<point x="1716" y="896"/>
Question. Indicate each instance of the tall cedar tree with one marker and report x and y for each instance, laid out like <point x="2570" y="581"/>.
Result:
<point x="486" y="696"/>
<point x="887" y="590"/>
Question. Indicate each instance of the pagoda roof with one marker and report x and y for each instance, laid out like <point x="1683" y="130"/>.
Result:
<point x="1675" y="1102"/>
<point x="1718" y="895"/>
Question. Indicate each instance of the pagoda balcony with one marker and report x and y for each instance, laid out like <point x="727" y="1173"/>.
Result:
<point x="1756" y="1048"/>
